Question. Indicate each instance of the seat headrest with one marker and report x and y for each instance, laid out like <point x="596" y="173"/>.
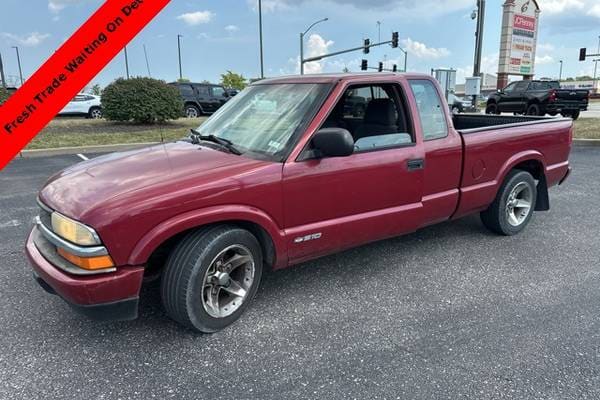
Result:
<point x="381" y="112"/>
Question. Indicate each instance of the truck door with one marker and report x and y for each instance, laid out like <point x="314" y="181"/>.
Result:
<point x="335" y="203"/>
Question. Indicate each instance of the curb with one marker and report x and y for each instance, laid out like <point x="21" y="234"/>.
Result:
<point x="586" y="142"/>
<point x="107" y="148"/>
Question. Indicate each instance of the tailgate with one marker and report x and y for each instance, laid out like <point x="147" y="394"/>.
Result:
<point x="574" y="96"/>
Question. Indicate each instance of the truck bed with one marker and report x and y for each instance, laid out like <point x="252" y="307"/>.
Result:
<point x="471" y="123"/>
<point x="492" y="144"/>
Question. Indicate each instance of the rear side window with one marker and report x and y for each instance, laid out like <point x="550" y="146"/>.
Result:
<point x="431" y="112"/>
<point x="186" y="90"/>
<point x="202" y="90"/>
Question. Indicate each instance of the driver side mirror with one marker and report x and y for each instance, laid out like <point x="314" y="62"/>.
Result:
<point x="334" y="142"/>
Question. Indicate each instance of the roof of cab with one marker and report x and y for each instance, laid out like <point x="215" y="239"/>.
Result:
<point x="334" y="78"/>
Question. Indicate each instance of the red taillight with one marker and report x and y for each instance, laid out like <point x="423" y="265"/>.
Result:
<point x="552" y="95"/>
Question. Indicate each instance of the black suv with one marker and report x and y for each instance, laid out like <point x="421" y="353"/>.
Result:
<point x="201" y="98"/>
<point x="538" y="98"/>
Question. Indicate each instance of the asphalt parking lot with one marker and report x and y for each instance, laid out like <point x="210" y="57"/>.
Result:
<point x="449" y="312"/>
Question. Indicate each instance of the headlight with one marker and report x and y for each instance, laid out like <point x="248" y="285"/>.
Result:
<point x="74" y="231"/>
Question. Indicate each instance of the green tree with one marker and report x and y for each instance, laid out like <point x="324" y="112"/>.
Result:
<point x="4" y="95"/>
<point x="233" y="80"/>
<point x="584" y="78"/>
<point x="142" y="100"/>
<point x="183" y="80"/>
<point x="96" y="90"/>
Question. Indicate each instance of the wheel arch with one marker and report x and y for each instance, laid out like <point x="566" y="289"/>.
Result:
<point x="532" y="162"/>
<point x="162" y="237"/>
<point x="193" y="103"/>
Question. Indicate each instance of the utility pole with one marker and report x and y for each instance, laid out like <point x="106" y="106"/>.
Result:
<point x="147" y="62"/>
<point x="2" y="73"/>
<point x="19" y="62"/>
<point x="260" y="33"/>
<point x="596" y="67"/>
<point x="478" y="42"/>
<point x="179" y="52"/>
<point x="126" y="62"/>
<point x="378" y="31"/>
<point x="302" y="42"/>
<point x="560" y="72"/>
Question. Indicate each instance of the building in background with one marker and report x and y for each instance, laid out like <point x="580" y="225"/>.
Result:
<point x="518" y="40"/>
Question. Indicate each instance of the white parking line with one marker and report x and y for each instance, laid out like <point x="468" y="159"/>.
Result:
<point x="84" y="158"/>
<point x="10" y="224"/>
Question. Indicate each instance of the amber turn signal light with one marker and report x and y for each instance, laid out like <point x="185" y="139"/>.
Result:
<point x="91" y="263"/>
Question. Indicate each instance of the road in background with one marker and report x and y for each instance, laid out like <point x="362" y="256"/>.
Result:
<point x="451" y="311"/>
<point x="592" y="112"/>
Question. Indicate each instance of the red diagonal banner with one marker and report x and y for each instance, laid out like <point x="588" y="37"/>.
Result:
<point x="69" y="69"/>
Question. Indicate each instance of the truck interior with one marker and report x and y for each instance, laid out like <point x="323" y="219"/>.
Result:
<point x="375" y="115"/>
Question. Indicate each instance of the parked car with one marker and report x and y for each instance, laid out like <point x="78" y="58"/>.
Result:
<point x="280" y="176"/>
<point x="459" y="105"/>
<point x="201" y="98"/>
<point x="538" y="98"/>
<point x="85" y="105"/>
<point x="232" y="92"/>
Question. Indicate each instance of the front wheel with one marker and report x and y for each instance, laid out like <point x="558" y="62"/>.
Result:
<point x="513" y="207"/>
<point x="492" y="108"/>
<point x="211" y="277"/>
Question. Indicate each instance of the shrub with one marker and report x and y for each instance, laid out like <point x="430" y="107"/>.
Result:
<point x="3" y="95"/>
<point x="142" y="100"/>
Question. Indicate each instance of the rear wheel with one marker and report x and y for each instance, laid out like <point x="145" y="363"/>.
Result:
<point x="533" y="109"/>
<point x="513" y="207"/>
<point x="211" y="277"/>
<point x="575" y="114"/>
<point x="492" y="108"/>
<point x="191" y="111"/>
<point x="95" y="113"/>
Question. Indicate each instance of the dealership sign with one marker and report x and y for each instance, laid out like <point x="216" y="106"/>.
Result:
<point x="519" y="37"/>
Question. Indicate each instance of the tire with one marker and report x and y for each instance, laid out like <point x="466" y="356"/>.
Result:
<point x="575" y="114"/>
<point x="533" y="109"/>
<point x="95" y="113"/>
<point x="496" y="218"/>
<point x="193" y="275"/>
<point x="553" y="113"/>
<point x="492" y="108"/>
<point x="192" y="111"/>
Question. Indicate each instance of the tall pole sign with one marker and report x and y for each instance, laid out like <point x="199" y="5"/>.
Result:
<point x="518" y="40"/>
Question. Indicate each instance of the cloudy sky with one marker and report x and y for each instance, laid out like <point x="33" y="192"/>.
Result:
<point x="222" y="35"/>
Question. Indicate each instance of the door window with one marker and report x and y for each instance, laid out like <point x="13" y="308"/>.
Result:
<point x="218" y="92"/>
<point x="374" y="115"/>
<point x="202" y="90"/>
<point x="431" y="112"/>
<point x="510" y="87"/>
<point x="186" y="90"/>
<point x="521" y="86"/>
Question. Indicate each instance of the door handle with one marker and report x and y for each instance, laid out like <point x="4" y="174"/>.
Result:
<point x="416" y="164"/>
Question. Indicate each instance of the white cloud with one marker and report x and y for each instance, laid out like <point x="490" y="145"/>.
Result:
<point x="420" y="50"/>
<point x="544" y="60"/>
<point x="232" y="28"/>
<point x="316" y="46"/>
<point x="197" y="18"/>
<point x="560" y="6"/>
<point x="31" y="40"/>
<point x="55" y="6"/>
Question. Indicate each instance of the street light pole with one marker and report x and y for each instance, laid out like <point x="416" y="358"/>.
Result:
<point x="260" y="33"/>
<point x="302" y="42"/>
<point x="126" y="62"/>
<point x="478" y="42"/>
<point x="2" y="72"/>
<point x="19" y="62"/>
<point x="179" y="52"/>
<point x="560" y="72"/>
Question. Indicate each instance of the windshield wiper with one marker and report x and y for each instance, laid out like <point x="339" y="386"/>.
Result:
<point x="228" y="144"/>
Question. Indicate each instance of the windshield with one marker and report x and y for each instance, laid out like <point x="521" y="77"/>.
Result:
<point x="263" y="118"/>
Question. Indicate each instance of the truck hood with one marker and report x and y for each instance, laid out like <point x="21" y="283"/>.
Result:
<point x="87" y="185"/>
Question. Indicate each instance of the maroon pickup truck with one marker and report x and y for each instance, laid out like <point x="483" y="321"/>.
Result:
<point x="285" y="172"/>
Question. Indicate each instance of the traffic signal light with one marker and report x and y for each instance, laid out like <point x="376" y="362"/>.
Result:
<point x="380" y="67"/>
<point x="395" y="39"/>
<point x="364" y="64"/>
<point x="395" y="68"/>
<point x="367" y="45"/>
<point x="582" y="54"/>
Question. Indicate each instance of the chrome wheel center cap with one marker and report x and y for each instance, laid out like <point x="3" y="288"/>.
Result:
<point x="221" y="278"/>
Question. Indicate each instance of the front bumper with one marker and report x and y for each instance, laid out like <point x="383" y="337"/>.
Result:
<point x="112" y="296"/>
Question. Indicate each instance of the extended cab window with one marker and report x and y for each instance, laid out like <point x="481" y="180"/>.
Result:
<point x="374" y="115"/>
<point x="186" y="90"/>
<point x="431" y="112"/>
